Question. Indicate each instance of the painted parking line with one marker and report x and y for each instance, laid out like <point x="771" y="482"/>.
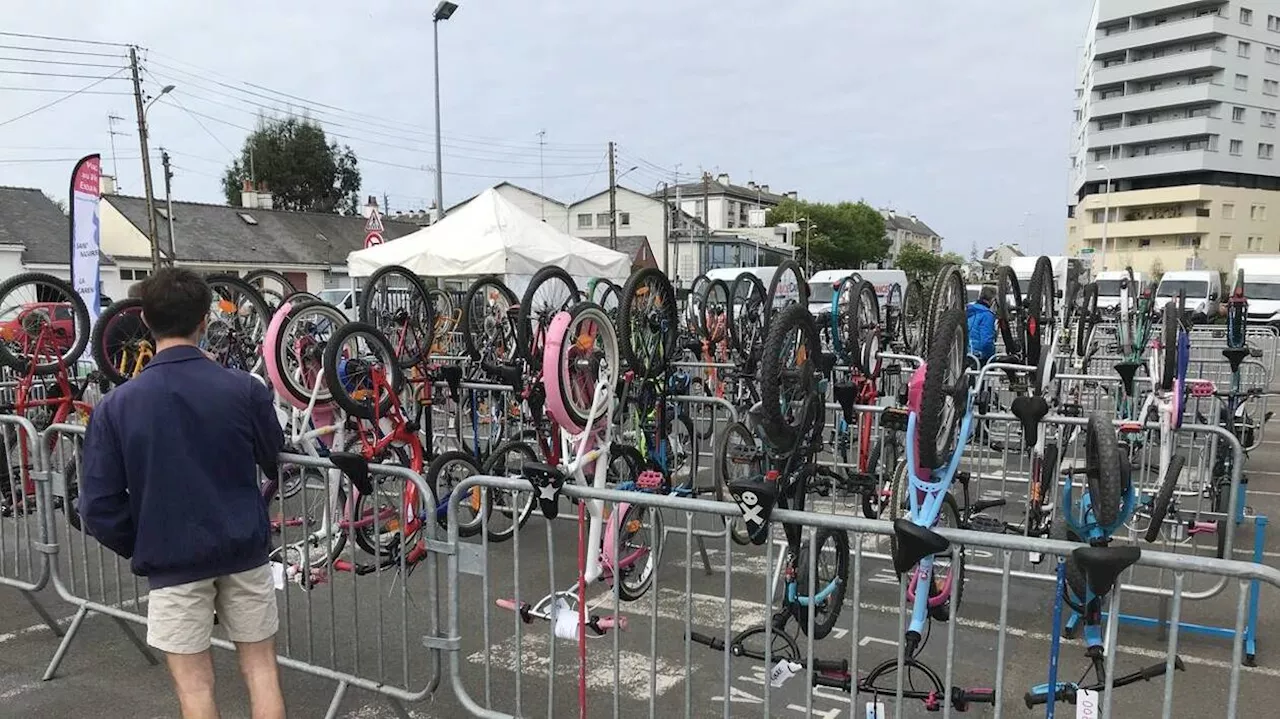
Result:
<point x="64" y="621"/>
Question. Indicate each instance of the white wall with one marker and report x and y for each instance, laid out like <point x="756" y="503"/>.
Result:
<point x="645" y="219"/>
<point x="10" y="261"/>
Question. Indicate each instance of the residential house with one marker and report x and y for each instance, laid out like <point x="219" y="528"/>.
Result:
<point x="901" y="230"/>
<point x="35" y="236"/>
<point x="640" y="231"/>
<point x="724" y="205"/>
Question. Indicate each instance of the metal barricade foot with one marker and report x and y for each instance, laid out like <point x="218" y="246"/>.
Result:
<point x="65" y="644"/>
<point x="338" y="695"/>
<point x="137" y="641"/>
<point x="44" y="614"/>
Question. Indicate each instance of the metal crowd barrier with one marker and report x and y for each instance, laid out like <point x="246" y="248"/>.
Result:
<point x="359" y="631"/>
<point x="502" y="666"/>
<point x="24" y="535"/>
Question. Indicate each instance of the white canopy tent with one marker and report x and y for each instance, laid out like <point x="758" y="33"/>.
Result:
<point x="491" y="236"/>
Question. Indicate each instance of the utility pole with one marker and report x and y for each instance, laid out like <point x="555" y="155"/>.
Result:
<point x="168" y="200"/>
<point x="666" y="230"/>
<point x="706" y="219"/>
<point x="613" y="202"/>
<point x="146" y="159"/>
<point x="542" y="177"/>
<point x="386" y="204"/>
<point x="112" y="119"/>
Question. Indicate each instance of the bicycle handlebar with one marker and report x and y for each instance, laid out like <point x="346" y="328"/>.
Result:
<point x="823" y="666"/>
<point x="1069" y="692"/>
<point x="960" y="698"/>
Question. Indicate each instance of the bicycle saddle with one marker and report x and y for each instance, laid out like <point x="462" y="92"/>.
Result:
<point x="1029" y="411"/>
<point x="507" y="374"/>
<point x="1235" y="355"/>
<point x="356" y="467"/>
<point x="1127" y="371"/>
<point x="914" y="543"/>
<point x="1103" y="565"/>
<point x="845" y="394"/>
<point x="452" y="376"/>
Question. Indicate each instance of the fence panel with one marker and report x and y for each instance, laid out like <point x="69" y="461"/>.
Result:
<point x="24" y="501"/>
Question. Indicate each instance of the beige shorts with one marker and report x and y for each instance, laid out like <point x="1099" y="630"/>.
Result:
<point x="180" y="618"/>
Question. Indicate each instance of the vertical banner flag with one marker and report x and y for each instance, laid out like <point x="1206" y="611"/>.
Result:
<point x="85" y="232"/>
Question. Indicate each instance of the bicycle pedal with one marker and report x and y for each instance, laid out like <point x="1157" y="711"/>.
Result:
<point x="649" y="480"/>
<point x="985" y="523"/>
<point x="894" y="418"/>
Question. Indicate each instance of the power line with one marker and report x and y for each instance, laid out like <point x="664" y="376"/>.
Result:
<point x="60" y="51"/>
<point x="13" y="88"/>
<point x="203" y="127"/>
<point x="68" y="96"/>
<point x="41" y="61"/>
<point x="58" y="74"/>
<point x="62" y="39"/>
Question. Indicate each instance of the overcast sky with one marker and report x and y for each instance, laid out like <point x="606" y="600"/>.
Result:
<point x="957" y="112"/>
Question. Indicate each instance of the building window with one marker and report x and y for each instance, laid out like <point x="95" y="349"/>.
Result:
<point x="1254" y="243"/>
<point x="1246" y="16"/>
<point x="1268" y="118"/>
<point x="134" y="275"/>
<point x="1186" y="241"/>
<point x="1273" y="55"/>
<point x="1144" y="242"/>
<point x="1224" y="242"/>
<point x="1237" y="114"/>
<point x="1258" y="212"/>
<point x="1237" y="147"/>
<point x="602" y="219"/>
<point x="624" y="219"/>
<point x="1270" y="87"/>
<point x="1228" y="211"/>
<point x="1242" y="49"/>
<point x="1273" y="23"/>
<point x="1265" y="150"/>
<point x="584" y="220"/>
<point x="1242" y="82"/>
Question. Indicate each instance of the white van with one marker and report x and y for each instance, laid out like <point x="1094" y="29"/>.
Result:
<point x="1108" y="283"/>
<point x="1261" y="286"/>
<point x="1203" y="289"/>
<point x="1064" y="269"/>
<point x="823" y="284"/>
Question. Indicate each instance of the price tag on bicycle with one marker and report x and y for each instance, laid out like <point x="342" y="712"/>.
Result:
<point x="781" y="672"/>
<point x="876" y="710"/>
<point x="1087" y="704"/>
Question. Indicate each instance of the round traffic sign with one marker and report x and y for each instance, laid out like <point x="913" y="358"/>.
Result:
<point x="373" y="238"/>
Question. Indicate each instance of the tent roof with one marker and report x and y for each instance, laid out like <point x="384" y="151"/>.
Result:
<point x="490" y="235"/>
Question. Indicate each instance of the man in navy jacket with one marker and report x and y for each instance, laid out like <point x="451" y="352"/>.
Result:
<point x="170" y="481"/>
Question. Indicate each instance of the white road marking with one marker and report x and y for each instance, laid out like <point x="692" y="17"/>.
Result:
<point x="64" y="621"/>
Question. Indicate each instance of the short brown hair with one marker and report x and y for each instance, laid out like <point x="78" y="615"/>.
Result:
<point x="174" y="302"/>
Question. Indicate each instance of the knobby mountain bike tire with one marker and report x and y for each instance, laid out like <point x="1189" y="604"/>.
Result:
<point x="1009" y="311"/>
<point x="1040" y="312"/>
<point x="913" y="312"/>
<point x="532" y="321"/>
<point x="839" y="318"/>
<point x="946" y="294"/>
<point x="1103" y="473"/>
<point x="1169" y="343"/>
<point x="1088" y="318"/>
<point x="647" y="340"/>
<point x="944" y="378"/>
<point x="780" y="293"/>
<point x="782" y="432"/>
<point x="1164" y="496"/>
<point x="120" y="322"/>
<point x="25" y="294"/>
<point x="488" y="337"/>
<point x="864" y="330"/>
<point x="747" y="316"/>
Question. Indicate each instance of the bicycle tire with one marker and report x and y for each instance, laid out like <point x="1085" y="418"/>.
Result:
<point x="606" y="339"/>
<point x="663" y="319"/>
<point x="837" y="318"/>
<point x="477" y="297"/>
<point x="747" y="315"/>
<point x="98" y="340"/>
<point x="1102" y="462"/>
<point x="913" y="317"/>
<point x="1040" y="297"/>
<point x="1088" y="317"/>
<point x="1237" y="313"/>
<point x="951" y="332"/>
<point x="1169" y="346"/>
<point x="1009" y="310"/>
<point x="823" y="621"/>
<point x="250" y="345"/>
<point x="1076" y="590"/>
<point x="773" y="304"/>
<point x="892" y="309"/>
<point x="286" y="286"/>
<point x="781" y="432"/>
<point x="388" y="550"/>
<point x="942" y="612"/>
<point x="443" y="486"/>
<point x="947" y="293"/>
<point x="79" y="323"/>
<point x="299" y="392"/>
<point x="714" y="294"/>
<point x="338" y="389"/>
<point x="419" y="313"/>
<point x="530" y="341"/>
<point x="1044" y="482"/>
<point x="634" y="513"/>
<point x="865" y="340"/>
<point x="692" y="306"/>
<point x="1164" y="497"/>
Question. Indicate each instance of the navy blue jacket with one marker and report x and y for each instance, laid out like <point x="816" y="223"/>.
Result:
<point x="982" y="331"/>
<point x="169" y="477"/>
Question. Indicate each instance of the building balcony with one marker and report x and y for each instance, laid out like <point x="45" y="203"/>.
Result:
<point x="1177" y="64"/>
<point x="1176" y="226"/>
<point x="1206" y="26"/>
<point x="1155" y="131"/>
<point x="1173" y="97"/>
<point x="1162" y="164"/>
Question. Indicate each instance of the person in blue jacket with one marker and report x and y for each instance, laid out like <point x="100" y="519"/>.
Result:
<point x="982" y="325"/>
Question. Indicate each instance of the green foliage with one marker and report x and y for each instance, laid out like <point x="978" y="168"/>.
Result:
<point x="301" y="168"/>
<point x="841" y="236"/>
<point x="1156" y="270"/>
<point x="921" y="264"/>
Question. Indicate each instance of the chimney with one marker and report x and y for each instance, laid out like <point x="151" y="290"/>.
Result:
<point x="913" y="218"/>
<point x="751" y="184"/>
<point x="107" y="185"/>
<point x="792" y="195"/>
<point x="265" y="201"/>
<point x="764" y="189"/>
<point x="723" y="178"/>
<point x="248" y="197"/>
<point x="369" y="206"/>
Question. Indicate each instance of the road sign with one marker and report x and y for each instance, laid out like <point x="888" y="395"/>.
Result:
<point x="373" y="238"/>
<point x="374" y="224"/>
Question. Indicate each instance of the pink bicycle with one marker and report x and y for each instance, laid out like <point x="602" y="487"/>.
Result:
<point x="622" y="546"/>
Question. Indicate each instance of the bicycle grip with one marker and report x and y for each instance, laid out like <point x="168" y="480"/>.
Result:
<point x="977" y="696"/>
<point x="1157" y="670"/>
<point x="831" y="666"/>
<point x="700" y="638"/>
<point x="844" y="683"/>
<point x="1032" y="699"/>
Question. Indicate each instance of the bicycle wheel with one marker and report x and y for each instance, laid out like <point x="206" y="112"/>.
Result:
<point x="354" y="358"/>
<point x="693" y="306"/>
<point x="647" y="322"/>
<point x="838" y="320"/>
<point x="788" y="287"/>
<point x="378" y="522"/>
<point x="273" y="286"/>
<point x="550" y="291"/>
<point x="1237" y="313"/>
<point x="1040" y="297"/>
<point x="747" y="315"/>
<point x="913" y="311"/>
<point x="1102" y="473"/>
<point x="1009" y="310"/>
<point x="639" y="546"/>
<point x="864" y="330"/>
<point x="946" y="388"/>
<point x="588" y="356"/>
<point x="1088" y="318"/>
<point x="1164" y="496"/>
<point x="892" y="317"/>
<point x="238" y="319"/>
<point x="831" y="567"/>
<point x="1042" y="490"/>
<point x="948" y="568"/>
<point x="444" y="321"/>
<point x="947" y="294"/>
<point x="44" y="324"/>
<point x="488" y="329"/>
<point x="298" y="354"/>
<point x="712" y="323"/>
<point x="396" y="302"/>
<point x="444" y="474"/>
<point x="1169" y="343"/>
<point x="121" y="344"/>
<point x="738" y="456"/>
<point x="789" y="377"/>
<point x="606" y="295"/>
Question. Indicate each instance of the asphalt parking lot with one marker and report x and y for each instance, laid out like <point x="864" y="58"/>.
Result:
<point x="373" y="626"/>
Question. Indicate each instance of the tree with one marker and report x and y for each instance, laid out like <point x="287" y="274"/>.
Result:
<point x="921" y="264"/>
<point x="843" y="235"/>
<point x="302" y="169"/>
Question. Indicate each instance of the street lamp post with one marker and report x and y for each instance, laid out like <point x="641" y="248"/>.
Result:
<point x="1106" y="217"/>
<point x="443" y="11"/>
<point x="146" y="171"/>
<point x="808" y="228"/>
